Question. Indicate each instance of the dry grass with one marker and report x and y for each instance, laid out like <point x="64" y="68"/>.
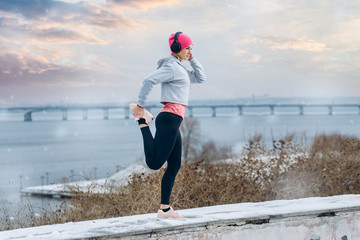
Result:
<point x="28" y="216"/>
<point x="331" y="166"/>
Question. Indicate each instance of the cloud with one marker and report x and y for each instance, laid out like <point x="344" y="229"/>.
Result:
<point x="248" y="56"/>
<point x="60" y="35"/>
<point x="345" y="35"/>
<point x="142" y="4"/>
<point x="48" y="47"/>
<point x="47" y="32"/>
<point x="93" y="15"/>
<point x="30" y="8"/>
<point x="38" y="39"/>
<point x="4" y="102"/>
<point x="14" y="66"/>
<point x="74" y="14"/>
<point x="26" y="69"/>
<point x="287" y="44"/>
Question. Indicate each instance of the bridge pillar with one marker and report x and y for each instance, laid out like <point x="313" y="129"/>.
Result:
<point x="190" y="111"/>
<point x="272" y="110"/>
<point x="27" y="117"/>
<point x="85" y="114"/>
<point x="331" y="110"/>
<point x="213" y="111"/>
<point x="106" y="113"/>
<point x="64" y="112"/>
<point x="301" y="110"/>
<point x="126" y="112"/>
<point x="240" y="110"/>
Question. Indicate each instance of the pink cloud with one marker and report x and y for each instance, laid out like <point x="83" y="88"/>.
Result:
<point x="143" y="4"/>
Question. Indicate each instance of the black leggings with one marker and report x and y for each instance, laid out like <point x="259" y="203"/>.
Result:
<point x="166" y="146"/>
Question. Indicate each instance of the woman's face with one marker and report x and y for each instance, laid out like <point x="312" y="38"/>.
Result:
<point x="186" y="53"/>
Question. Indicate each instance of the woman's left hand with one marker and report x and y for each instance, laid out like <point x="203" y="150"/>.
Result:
<point x="138" y="111"/>
<point x="191" y="56"/>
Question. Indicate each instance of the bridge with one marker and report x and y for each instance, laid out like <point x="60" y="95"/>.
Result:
<point x="28" y="110"/>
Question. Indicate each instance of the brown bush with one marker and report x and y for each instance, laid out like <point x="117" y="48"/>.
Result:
<point x="332" y="167"/>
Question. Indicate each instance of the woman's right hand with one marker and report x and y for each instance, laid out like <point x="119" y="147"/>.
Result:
<point x="138" y="111"/>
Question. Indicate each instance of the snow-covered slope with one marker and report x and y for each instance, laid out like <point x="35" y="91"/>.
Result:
<point x="95" y="186"/>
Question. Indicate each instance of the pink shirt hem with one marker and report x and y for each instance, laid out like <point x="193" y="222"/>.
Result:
<point x="176" y="108"/>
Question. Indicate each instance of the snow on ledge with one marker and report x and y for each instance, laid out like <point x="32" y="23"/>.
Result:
<point x="263" y="213"/>
<point x="120" y="178"/>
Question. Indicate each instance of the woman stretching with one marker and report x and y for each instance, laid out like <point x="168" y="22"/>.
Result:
<point x="175" y="82"/>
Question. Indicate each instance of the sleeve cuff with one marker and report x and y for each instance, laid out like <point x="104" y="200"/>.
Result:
<point x="140" y="105"/>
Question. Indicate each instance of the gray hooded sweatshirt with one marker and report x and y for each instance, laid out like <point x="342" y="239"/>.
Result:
<point x="175" y="80"/>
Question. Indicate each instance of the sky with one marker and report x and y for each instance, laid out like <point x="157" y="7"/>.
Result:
<point x="99" y="51"/>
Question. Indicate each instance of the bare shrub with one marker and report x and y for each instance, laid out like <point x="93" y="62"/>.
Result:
<point x="194" y="149"/>
<point x="331" y="167"/>
<point x="29" y="216"/>
<point x="191" y="137"/>
<point x="210" y="153"/>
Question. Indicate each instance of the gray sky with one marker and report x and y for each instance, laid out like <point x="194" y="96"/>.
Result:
<point x="100" y="51"/>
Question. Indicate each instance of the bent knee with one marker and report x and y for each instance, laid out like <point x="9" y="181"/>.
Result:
<point x="154" y="166"/>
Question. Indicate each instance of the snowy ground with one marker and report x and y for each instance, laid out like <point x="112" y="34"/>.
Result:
<point x="282" y="219"/>
<point x="95" y="186"/>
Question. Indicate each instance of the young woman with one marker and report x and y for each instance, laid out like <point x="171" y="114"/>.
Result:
<point x="175" y="82"/>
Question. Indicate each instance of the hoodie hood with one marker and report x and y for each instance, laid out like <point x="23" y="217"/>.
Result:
<point x="169" y="59"/>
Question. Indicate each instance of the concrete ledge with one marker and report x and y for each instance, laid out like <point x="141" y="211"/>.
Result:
<point x="336" y="217"/>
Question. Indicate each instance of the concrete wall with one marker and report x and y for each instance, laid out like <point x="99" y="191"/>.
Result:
<point x="344" y="226"/>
